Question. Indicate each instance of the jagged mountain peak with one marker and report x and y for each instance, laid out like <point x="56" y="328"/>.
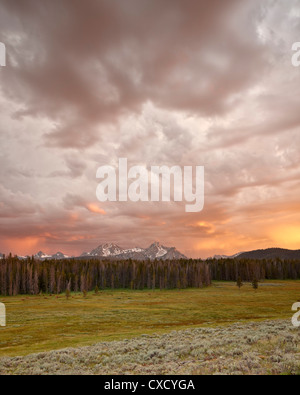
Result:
<point x="155" y="251"/>
<point x="106" y="250"/>
<point x="155" y="244"/>
<point x="112" y="250"/>
<point x="108" y="245"/>
<point x="59" y="255"/>
<point x="42" y="255"/>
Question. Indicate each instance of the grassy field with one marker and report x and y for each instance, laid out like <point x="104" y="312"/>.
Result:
<point x="254" y="348"/>
<point x="44" y="323"/>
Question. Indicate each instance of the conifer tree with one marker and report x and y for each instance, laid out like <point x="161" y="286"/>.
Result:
<point x="239" y="283"/>
<point x="255" y="284"/>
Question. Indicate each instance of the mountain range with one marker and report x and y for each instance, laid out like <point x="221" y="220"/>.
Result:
<point x="226" y="256"/>
<point x="42" y="256"/>
<point x="113" y="251"/>
<point x="155" y="251"/>
<point x="158" y="251"/>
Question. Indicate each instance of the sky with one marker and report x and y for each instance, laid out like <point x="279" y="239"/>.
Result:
<point x="172" y="82"/>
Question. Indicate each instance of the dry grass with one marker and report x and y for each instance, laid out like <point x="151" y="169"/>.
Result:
<point x="270" y="347"/>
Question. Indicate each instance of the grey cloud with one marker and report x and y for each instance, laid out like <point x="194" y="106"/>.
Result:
<point x="169" y="66"/>
<point x="75" y="165"/>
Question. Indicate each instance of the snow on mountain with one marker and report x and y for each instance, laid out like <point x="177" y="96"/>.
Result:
<point x="134" y="250"/>
<point x="155" y="251"/>
<point x="218" y="257"/>
<point x="105" y="250"/>
<point x="41" y="255"/>
<point x="173" y="254"/>
<point x="158" y="251"/>
<point x="59" y="255"/>
<point x="84" y="254"/>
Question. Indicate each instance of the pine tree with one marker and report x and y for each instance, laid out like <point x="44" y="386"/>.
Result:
<point x="239" y="283"/>
<point x="68" y="294"/>
<point x="255" y="284"/>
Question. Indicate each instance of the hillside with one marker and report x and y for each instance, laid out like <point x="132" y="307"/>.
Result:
<point x="271" y="253"/>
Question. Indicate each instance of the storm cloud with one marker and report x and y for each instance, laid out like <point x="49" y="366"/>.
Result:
<point x="168" y="82"/>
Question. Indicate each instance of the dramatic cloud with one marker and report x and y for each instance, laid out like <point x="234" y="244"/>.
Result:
<point x="168" y="82"/>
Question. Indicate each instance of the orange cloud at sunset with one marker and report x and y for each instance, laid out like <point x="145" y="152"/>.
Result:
<point x="93" y="208"/>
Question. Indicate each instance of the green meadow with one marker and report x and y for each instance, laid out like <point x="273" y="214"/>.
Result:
<point x="44" y="323"/>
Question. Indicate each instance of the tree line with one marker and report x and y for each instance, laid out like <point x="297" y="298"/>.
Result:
<point x="33" y="277"/>
<point x="250" y="269"/>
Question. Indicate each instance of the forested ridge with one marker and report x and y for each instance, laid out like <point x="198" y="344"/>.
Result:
<point x="31" y="276"/>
